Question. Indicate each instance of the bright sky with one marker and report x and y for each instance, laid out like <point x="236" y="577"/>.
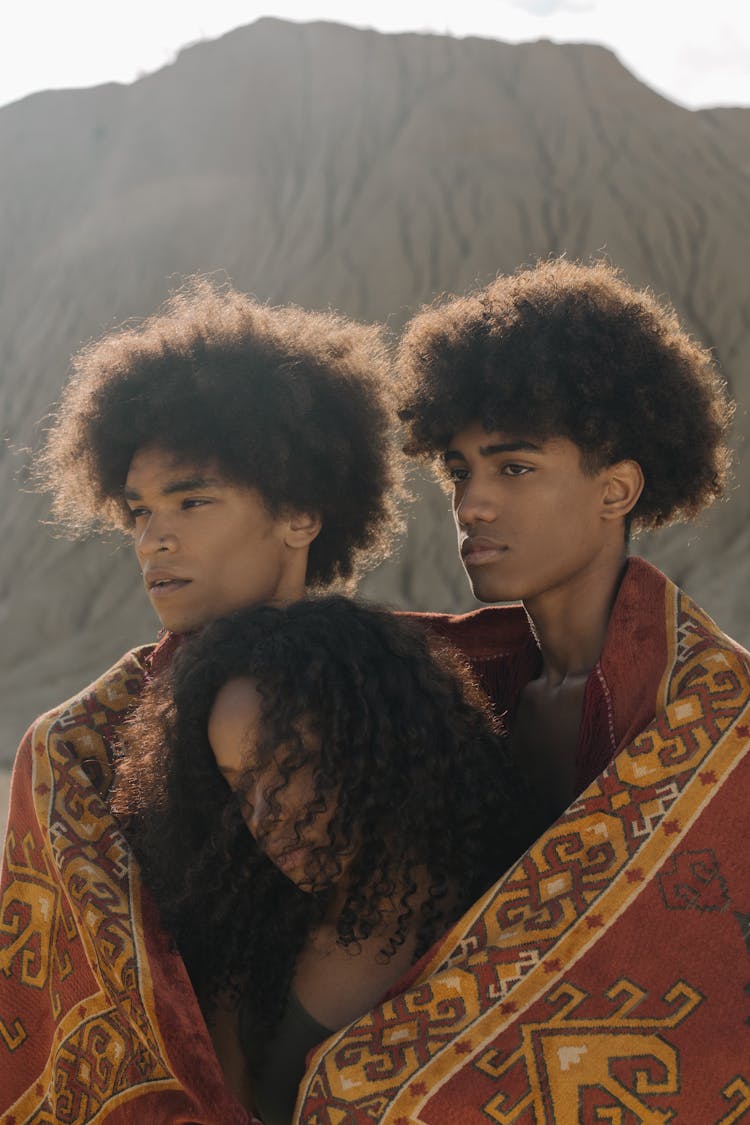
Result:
<point x="695" y="52"/>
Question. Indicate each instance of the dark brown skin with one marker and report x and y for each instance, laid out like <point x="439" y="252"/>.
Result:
<point x="335" y="985"/>
<point x="571" y="632"/>
<point x="533" y="525"/>
<point x="545" y="738"/>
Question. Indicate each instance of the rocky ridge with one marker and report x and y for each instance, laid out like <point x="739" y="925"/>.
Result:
<point x="327" y="166"/>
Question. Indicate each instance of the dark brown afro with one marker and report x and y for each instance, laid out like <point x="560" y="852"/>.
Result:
<point x="571" y="350"/>
<point x="292" y="403"/>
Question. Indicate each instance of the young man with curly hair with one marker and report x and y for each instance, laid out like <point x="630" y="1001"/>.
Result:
<point x="562" y="409"/>
<point x="605" y="975"/>
<point x="248" y="453"/>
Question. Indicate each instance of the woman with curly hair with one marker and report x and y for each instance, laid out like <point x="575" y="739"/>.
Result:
<point x="314" y="794"/>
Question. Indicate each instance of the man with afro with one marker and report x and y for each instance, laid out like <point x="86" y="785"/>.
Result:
<point x="248" y="454"/>
<point x="604" y="976"/>
<point x="562" y="409"/>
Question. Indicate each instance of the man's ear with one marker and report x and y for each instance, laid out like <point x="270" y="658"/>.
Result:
<point x="301" y="529"/>
<point x="623" y="487"/>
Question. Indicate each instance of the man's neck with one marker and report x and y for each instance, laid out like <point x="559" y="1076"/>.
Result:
<point x="570" y="623"/>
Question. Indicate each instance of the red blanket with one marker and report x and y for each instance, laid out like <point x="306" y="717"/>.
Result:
<point x="98" y="1019"/>
<point x="605" y="978"/>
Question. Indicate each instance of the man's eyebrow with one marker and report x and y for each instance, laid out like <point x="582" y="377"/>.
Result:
<point x="187" y="484"/>
<point x="492" y="450"/>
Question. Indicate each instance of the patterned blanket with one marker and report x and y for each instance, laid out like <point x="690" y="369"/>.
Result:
<point x="605" y="978"/>
<point x="98" y="1019"/>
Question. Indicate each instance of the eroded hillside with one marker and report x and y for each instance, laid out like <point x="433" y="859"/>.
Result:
<point x="318" y="164"/>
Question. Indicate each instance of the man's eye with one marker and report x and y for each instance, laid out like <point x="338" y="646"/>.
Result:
<point x="515" y="470"/>
<point x="457" y="475"/>
<point x="137" y="513"/>
<point x="194" y="502"/>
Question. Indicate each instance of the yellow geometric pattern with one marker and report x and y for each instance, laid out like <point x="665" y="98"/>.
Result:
<point x="69" y="922"/>
<point x="499" y="1025"/>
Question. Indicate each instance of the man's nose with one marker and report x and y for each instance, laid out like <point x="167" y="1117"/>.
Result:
<point x="474" y="504"/>
<point x="156" y="535"/>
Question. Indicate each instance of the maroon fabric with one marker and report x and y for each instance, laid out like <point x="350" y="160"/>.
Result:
<point x="620" y="697"/>
<point x="98" y="1019"/>
<point x="605" y="976"/>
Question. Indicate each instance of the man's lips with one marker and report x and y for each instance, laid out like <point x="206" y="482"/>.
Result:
<point x="162" y="582"/>
<point x="478" y="549"/>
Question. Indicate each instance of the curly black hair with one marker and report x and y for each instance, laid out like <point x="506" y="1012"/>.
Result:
<point x="406" y="749"/>
<point x="293" y="403"/>
<point x="571" y="350"/>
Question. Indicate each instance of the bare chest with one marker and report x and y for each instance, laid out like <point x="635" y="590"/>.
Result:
<point x="545" y="739"/>
<point x="336" y="984"/>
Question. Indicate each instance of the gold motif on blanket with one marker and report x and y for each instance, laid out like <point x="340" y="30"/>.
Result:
<point x="576" y="1067"/>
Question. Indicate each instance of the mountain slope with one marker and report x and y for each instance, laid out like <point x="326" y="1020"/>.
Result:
<point x="319" y="164"/>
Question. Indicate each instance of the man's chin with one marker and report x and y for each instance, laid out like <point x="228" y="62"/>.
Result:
<point x="485" y="597"/>
<point x="484" y="590"/>
<point x="175" y="624"/>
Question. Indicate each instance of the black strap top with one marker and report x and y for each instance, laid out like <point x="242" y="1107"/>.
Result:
<point x="275" y="1088"/>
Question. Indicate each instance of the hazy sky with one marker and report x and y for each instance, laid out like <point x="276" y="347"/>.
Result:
<point x="697" y="53"/>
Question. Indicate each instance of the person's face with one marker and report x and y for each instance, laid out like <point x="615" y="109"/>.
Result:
<point x="234" y="731"/>
<point x="206" y="547"/>
<point x="529" y="519"/>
